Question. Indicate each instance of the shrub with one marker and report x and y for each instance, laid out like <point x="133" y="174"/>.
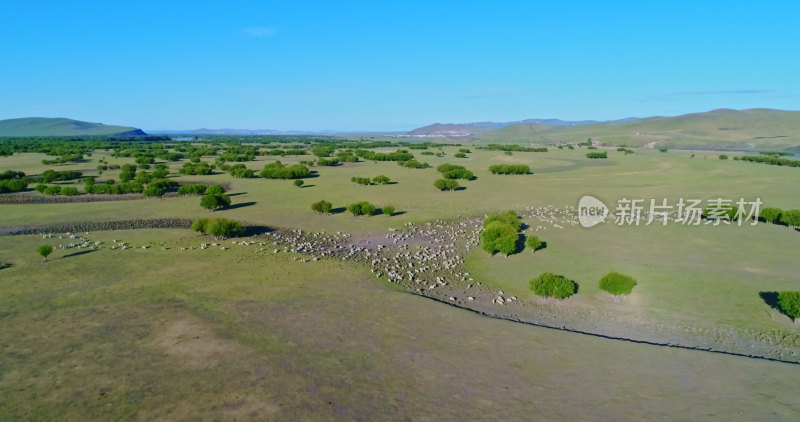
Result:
<point x="322" y="206"/>
<point x="361" y="180"/>
<point x="381" y="180"/>
<point x="790" y="304"/>
<point x="201" y="168"/>
<point x="464" y="150"/>
<point x="791" y="218"/>
<point x="770" y="215"/>
<point x="452" y="171"/>
<point x="446" y="184"/>
<point x="52" y="190"/>
<point x="218" y="227"/>
<point x="41" y="187"/>
<point x="509" y="169"/>
<point x="596" y="155"/>
<point x="212" y="201"/>
<point x="460" y="155"/>
<point x="361" y="208"/>
<point x="69" y="191"/>
<point x="388" y="210"/>
<point x="241" y="171"/>
<point x="533" y="242"/>
<point x="195" y="189"/>
<point x="215" y="190"/>
<point x="277" y="170"/>
<point x="617" y="284"/>
<point x="723" y="157"/>
<point x="298" y="182"/>
<point x="414" y="164"/>
<point x="499" y="237"/>
<point x="153" y="190"/>
<point x="552" y="285"/>
<point x="328" y="162"/>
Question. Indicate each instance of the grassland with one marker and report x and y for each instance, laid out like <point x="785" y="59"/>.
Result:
<point x="237" y="334"/>
<point x="151" y="334"/>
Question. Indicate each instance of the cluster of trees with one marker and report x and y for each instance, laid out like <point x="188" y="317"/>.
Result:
<point x="366" y="181"/>
<point x="322" y="150"/>
<point x="498" y="147"/>
<point x="510" y="169"/>
<point x="13" y="181"/>
<point x="329" y="162"/>
<point x="57" y="190"/>
<point x="50" y="176"/>
<point x="238" y="153"/>
<point x="789" y="218"/>
<point x="347" y="156"/>
<point x="452" y="171"/>
<point x="625" y="150"/>
<point x="617" y="284"/>
<point x="215" y="198"/>
<point x="414" y="164"/>
<point x="282" y="152"/>
<point x="501" y="233"/>
<point x="399" y="155"/>
<point x="551" y="285"/>
<point x="199" y="168"/>
<point x="362" y="208"/>
<point x="446" y="184"/>
<point x="595" y="155"/>
<point x="240" y="171"/>
<point x="278" y="170"/>
<point x="218" y="227"/>
<point x="769" y="159"/>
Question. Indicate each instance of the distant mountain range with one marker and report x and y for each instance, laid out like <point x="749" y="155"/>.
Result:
<point x="752" y="129"/>
<point x="44" y="126"/>
<point x="475" y="128"/>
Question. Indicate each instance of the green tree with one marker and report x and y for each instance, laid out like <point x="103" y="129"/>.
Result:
<point x="298" y="182"/>
<point x="723" y="157"/>
<point x="388" y="210"/>
<point x="215" y="190"/>
<point x="44" y="251"/>
<point x="380" y="180"/>
<point x="215" y="201"/>
<point x="446" y="184"/>
<point x="617" y="284"/>
<point x="551" y="285"/>
<point x="499" y="237"/>
<point x="533" y="242"/>
<point x="770" y="215"/>
<point x="322" y="206"/>
<point x="790" y="304"/>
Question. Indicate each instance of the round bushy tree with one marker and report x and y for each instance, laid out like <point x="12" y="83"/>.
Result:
<point x="44" y="251"/>
<point x="388" y="210"/>
<point x="551" y="285"/>
<point x="298" y="182"/>
<point x="533" y="242"/>
<point x="617" y="284"/>
<point x="322" y="206"/>
<point x="791" y="218"/>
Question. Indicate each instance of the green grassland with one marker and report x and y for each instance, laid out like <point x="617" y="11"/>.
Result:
<point x="173" y="334"/>
<point x="183" y="335"/>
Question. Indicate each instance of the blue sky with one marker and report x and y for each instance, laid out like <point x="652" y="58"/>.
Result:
<point x="381" y="65"/>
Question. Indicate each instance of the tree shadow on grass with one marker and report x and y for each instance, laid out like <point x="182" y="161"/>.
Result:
<point x="396" y="213"/>
<point x="460" y="188"/>
<point x="306" y="186"/>
<point x="338" y="210"/>
<point x="241" y="205"/>
<point x="79" y="253"/>
<point x="237" y="193"/>
<point x="771" y="299"/>
<point x="4" y="265"/>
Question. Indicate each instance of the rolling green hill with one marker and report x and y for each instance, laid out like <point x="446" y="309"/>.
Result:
<point x="753" y="129"/>
<point x="43" y="126"/>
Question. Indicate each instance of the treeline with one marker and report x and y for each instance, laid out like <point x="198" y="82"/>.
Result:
<point x="769" y="159"/>
<point x="512" y="147"/>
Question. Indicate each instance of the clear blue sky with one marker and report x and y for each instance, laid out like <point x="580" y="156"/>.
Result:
<point x="380" y="65"/>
